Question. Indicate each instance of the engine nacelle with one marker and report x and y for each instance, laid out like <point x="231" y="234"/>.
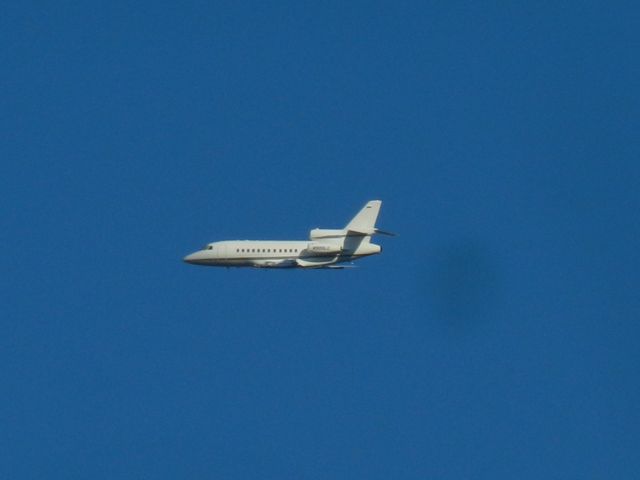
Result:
<point x="318" y="233"/>
<point x="324" y="248"/>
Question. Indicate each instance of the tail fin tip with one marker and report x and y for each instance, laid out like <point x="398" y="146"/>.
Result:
<point x="366" y="218"/>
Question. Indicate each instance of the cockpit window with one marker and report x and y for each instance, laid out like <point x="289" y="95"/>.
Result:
<point x="209" y="247"/>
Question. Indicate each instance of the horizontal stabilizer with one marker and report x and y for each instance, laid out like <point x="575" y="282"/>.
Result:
<point x="358" y="233"/>
<point x="365" y="233"/>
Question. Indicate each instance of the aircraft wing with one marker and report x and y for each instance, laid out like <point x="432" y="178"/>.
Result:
<point x="316" y="262"/>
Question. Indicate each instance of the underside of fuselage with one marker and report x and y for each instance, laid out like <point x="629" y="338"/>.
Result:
<point x="306" y="262"/>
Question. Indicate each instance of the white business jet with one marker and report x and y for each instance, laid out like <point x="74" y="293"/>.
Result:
<point x="324" y="249"/>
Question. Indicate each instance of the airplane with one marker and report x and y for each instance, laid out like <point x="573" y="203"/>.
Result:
<point x="324" y="249"/>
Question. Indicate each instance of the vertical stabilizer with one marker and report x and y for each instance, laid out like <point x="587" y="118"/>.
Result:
<point x="365" y="220"/>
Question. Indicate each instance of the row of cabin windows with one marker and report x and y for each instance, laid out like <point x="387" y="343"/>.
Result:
<point x="266" y="250"/>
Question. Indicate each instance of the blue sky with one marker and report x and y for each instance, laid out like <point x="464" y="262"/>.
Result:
<point x="495" y="337"/>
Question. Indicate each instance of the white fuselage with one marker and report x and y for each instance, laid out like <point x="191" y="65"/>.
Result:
<point x="282" y="253"/>
<point x="324" y="249"/>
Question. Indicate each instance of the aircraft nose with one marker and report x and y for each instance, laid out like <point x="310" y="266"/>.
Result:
<point x="192" y="258"/>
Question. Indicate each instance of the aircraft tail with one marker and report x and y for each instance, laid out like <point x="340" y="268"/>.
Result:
<point x="361" y="227"/>
<point x="365" y="221"/>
